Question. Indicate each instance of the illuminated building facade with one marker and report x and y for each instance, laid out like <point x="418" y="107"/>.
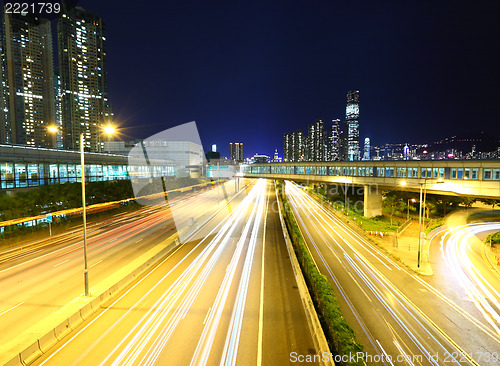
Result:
<point x="236" y="152"/>
<point x="28" y="105"/>
<point x="351" y="127"/>
<point x="82" y="69"/>
<point x="332" y="152"/>
<point x="316" y="141"/>
<point x="366" y="153"/>
<point x="293" y="146"/>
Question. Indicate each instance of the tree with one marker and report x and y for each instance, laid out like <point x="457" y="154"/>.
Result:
<point x="394" y="203"/>
<point x="468" y="201"/>
<point x="489" y="201"/>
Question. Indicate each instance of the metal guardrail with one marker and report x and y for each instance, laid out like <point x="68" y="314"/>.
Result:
<point x="403" y="227"/>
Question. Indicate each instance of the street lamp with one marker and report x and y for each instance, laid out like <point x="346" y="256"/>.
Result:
<point x="421" y="234"/>
<point x="420" y="225"/>
<point x="403" y="183"/>
<point x="109" y="130"/>
<point x="408" y="207"/>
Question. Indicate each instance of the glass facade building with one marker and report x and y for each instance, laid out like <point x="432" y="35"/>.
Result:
<point x="22" y="167"/>
<point x="352" y="126"/>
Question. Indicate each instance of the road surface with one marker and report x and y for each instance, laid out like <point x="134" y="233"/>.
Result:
<point x="399" y="318"/>
<point x="229" y="298"/>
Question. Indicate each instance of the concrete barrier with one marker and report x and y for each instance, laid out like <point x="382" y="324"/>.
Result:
<point x="86" y="311"/>
<point x="14" y="361"/>
<point x="105" y="296"/>
<point x="75" y="320"/>
<point x="62" y="330"/>
<point x="95" y="304"/>
<point x="31" y="353"/>
<point x="47" y="341"/>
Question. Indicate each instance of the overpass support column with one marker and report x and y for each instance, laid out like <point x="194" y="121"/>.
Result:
<point x="372" y="201"/>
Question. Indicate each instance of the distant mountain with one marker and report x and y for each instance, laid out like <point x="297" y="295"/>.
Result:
<point x="465" y="142"/>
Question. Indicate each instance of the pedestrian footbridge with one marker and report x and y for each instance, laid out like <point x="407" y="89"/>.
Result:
<point x="475" y="178"/>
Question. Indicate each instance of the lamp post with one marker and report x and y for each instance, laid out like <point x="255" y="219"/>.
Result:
<point x="419" y="225"/>
<point x="108" y="130"/>
<point x="408" y="207"/>
<point x="403" y="183"/>
<point x="84" y="214"/>
<point x="423" y="185"/>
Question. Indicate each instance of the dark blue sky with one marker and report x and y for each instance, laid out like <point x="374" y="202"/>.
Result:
<point x="251" y="71"/>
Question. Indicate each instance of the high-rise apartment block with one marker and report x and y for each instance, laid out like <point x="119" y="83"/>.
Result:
<point x="316" y="141"/>
<point x="293" y="146"/>
<point x="351" y="127"/>
<point x="33" y="96"/>
<point x="236" y="152"/>
<point x="28" y="104"/>
<point x="82" y="69"/>
<point x="332" y="151"/>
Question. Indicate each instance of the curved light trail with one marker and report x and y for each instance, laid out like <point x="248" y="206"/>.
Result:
<point x="463" y="254"/>
<point x="410" y="327"/>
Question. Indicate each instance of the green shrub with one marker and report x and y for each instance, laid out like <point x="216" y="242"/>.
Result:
<point x="493" y="238"/>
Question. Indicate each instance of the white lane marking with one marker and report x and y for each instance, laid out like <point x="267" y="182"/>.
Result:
<point x="138" y="240"/>
<point x="95" y="264"/>
<point x="385" y="353"/>
<point x="407" y="357"/>
<point x="37" y="258"/>
<point x="261" y="305"/>
<point x="12" y="308"/>
<point x="58" y="264"/>
<point x="206" y="316"/>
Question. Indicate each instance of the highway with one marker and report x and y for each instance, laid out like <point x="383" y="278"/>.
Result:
<point x="398" y="316"/>
<point x="44" y="276"/>
<point x="228" y="298"/>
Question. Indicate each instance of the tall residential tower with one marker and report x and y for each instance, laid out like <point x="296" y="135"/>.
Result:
<point x="236" y="152"/>
<point x="83" y="78"/>
<point x="316" y="141"/>
<point x="332" y="152"/>
<point x="27" y="81"/>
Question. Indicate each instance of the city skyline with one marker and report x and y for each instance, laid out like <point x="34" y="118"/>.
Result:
<point x="215" y="128"/>
<point x="273" y="68"/>
<point x="362" y="225"/>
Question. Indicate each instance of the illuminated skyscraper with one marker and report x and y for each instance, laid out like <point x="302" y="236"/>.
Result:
<point x="82" y="68"/>
<point x="293" y="146"/>
<point x="287" y="147"/>
<point x="4" y="116"/>
<point x="332" y="152"/>
<point x="236" y="152"/>
<point x="366" y="154"/>
<point x="27" y="81"/>
<point x="316" y="141"/>
<point x="351" y="126"/>
<point x="406" y="152"/>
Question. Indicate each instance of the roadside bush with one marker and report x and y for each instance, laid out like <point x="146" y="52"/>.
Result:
<point x="493" y="238"/>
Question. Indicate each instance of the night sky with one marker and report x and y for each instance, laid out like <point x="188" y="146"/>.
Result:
<point x="250" y="71"/>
